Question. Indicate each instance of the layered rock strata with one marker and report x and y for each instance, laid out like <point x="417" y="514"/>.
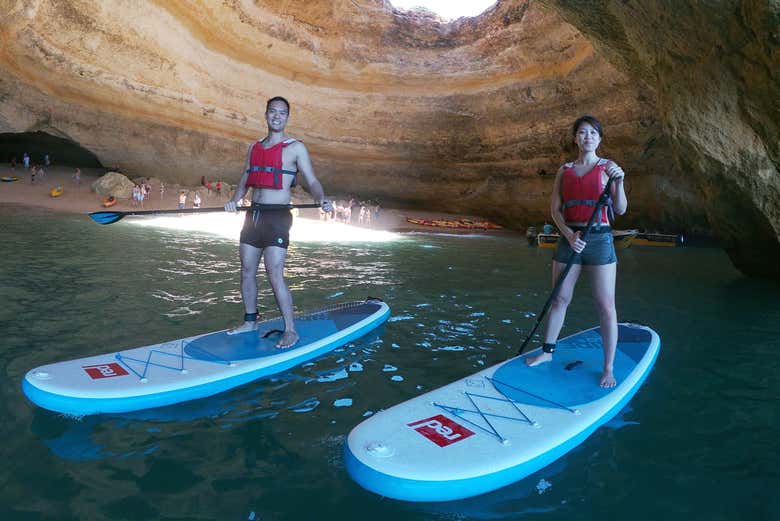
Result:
<point x="460" y="116"/>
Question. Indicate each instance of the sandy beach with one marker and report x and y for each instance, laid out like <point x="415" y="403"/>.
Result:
<point x="79" y="198"/>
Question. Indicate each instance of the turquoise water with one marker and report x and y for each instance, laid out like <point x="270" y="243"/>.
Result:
<point x="699" y="441"/>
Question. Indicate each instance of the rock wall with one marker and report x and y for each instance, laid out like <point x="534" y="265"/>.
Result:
<point x="460" y="116"/>
<point x="715" y="68"/>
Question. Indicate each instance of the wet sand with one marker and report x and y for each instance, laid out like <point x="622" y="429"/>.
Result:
<point x="79" y="198"/>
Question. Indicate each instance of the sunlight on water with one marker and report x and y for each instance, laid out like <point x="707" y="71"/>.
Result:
<point x="303" y="230"/>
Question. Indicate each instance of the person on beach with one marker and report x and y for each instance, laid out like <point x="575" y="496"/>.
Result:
<point x="162" y="190"/>
<point x="32" y="174"/>
<point x="577" y="188"/>
<point x="196" y="200"/>
<point x="271" y="168"/>
<point x="77" y="176"/>
<point x="26" y="160"/>
<point x="182" y="200"/>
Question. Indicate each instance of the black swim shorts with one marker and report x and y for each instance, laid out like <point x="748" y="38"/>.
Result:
<point x="267" y="228"/>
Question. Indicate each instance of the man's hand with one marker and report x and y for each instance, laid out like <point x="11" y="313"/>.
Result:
<point x="231" y="206"/>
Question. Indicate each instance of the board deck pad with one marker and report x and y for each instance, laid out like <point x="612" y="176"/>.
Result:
<point x="576" y="365"/>
<point x="499" y="425"/>
<point x="194" y="367"/>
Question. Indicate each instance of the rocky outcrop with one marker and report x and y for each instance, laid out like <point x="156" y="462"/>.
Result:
<point x="470" y="116"/>
<point x="114" y="183"/>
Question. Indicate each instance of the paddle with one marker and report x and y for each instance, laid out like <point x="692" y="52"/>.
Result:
<point x="603" y="201"/>
<point x="112" y="217"/>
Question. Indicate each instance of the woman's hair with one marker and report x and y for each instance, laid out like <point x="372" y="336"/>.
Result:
<point x="593" y="122"/>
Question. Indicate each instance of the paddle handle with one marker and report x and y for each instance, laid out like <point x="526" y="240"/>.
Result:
<point x="603" y="198"/>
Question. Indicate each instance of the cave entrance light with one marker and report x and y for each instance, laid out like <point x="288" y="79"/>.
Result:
<point x="447" y="9"/>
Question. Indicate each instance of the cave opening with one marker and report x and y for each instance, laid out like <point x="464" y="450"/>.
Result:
<point x="447" y="10"/>
<point x="61" y="151"/>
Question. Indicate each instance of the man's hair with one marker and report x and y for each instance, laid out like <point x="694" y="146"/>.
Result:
<point x="277" y="98"/>
<point x="593" y="122"/>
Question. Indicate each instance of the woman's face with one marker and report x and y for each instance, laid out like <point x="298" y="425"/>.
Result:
<point x="587" y="138"/>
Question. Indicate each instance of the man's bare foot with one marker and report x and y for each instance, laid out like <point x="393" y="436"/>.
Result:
<point x="243" y="328"/>
<point x="538" y="359"/>
<point x="607" y="380"/>
<point x="289" y="339"/>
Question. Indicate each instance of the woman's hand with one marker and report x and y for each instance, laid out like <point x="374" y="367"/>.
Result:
<point x="576" y="242"/>
<point x="615" y="172"/>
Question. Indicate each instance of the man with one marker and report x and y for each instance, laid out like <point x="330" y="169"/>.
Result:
<point x="271" y="168"/>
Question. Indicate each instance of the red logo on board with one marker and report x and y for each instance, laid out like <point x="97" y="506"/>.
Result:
<point x="104" y="370"/>
<point x="441" y="430"/>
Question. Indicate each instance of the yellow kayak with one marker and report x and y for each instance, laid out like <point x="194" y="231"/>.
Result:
<point x="624" y="238"/>
<point x="658" y="239"/>
<point x="56" y="192"/>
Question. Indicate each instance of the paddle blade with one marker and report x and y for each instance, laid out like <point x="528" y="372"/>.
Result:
<point x="106" y="217"/>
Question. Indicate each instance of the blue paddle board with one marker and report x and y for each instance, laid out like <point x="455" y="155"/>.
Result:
<point x="493" y="428"/>
<point x="194" y="367"/>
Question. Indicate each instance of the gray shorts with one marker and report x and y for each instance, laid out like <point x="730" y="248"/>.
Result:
<point x="599" y="249"/>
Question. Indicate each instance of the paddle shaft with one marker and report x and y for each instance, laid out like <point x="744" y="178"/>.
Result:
<point x="109" y="217"/>
<point x="222" y="209"/>
<point x="603" y="198"/>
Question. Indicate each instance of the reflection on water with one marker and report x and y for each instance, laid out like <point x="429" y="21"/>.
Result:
<point x="229" y="225"/>
<point x="273" y="448"/>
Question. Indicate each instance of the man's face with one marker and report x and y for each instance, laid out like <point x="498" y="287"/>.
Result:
<point x="276" y="116"/>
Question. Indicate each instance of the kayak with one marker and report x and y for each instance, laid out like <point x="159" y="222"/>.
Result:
<point x="56" y="192"/>
<point x="624" y="238"/>
<point x="547" y="240"/>
<point x="194" y="367"/>
<point x="658" y="239"/>
<point x="109" y="201"/>
<point x="9" y="178"/>
<point x="459" y="223"/>
<point x="497" y="426"/>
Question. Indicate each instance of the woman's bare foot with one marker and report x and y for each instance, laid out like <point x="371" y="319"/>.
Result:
<point x="243" y="328"/>
<point x="289" y="339"/>
<point x="607" y="380"/>
<point x="538" y="359"/>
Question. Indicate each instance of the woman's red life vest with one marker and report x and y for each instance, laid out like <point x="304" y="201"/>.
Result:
<point x="265" y="166"/>
<point x="580" y="194"/>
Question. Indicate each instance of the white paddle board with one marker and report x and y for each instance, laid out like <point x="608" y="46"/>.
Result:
<point x="499" y="425"/>
<point x="194" y="367"/>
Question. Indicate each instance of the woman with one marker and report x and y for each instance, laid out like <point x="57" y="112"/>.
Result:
<point x="578" y="186"/>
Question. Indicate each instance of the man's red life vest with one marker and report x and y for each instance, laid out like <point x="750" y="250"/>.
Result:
<point x="265" y="166"/>
<point x="580" y="194"/>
